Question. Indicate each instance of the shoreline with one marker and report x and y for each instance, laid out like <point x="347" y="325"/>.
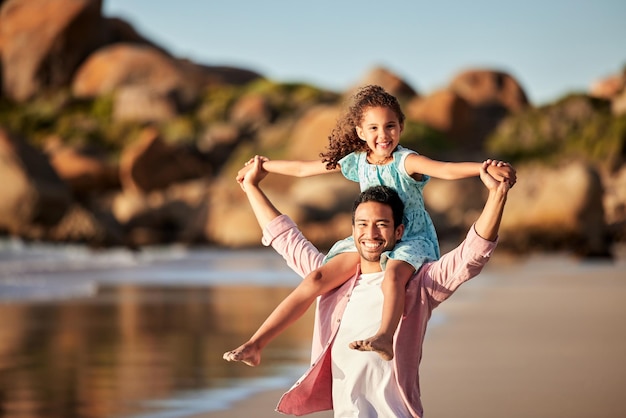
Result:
<point x="541" y="336"/>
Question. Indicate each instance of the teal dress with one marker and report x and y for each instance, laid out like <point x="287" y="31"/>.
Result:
<point x="419" y="243"/>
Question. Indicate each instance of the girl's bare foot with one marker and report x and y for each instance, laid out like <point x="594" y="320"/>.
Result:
<point x="248" y="354"/>
<point x="378" y="343"/>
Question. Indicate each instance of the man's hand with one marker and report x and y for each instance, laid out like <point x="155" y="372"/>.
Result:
<point x="502" y="185"/>
<point x="488" y="223"/>
<point x="254" y="172"/>
<point x="502" y="171"/>
<point x="250" y="166"/>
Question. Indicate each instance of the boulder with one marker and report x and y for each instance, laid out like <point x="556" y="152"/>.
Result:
<point x="79" y="225"/>
<point x="163" y="216"/>
<point x="85" y="171"/>
<point x="485" y="88"/>
<point x="310" y="134"/>
<point x="126" y="64"/>
<point x="615" y="203"/>
<point x="491" y="95"/>
<point x="454" y="205"/>
<point x="444" y="111"/>
<point x="556" y="208"/>
<point x="229" y="220"/>
<point x="618" y="104"/>
<point x="42" y="42"/>
<point x="32" y="193"/>
<point x="388" y="80"/>
<point x="140" y="103"/>
<point x="608" y="87"/>
<point x="252" y="111"/>
<point x="151" y="164"/>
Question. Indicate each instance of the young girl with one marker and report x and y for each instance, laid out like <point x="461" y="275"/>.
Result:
<point x="364" y="146"/>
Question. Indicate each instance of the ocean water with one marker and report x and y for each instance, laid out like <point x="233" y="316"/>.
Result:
<point x="116" y="333"/>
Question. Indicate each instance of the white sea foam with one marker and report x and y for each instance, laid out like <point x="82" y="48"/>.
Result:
<point x="44" y="271"/>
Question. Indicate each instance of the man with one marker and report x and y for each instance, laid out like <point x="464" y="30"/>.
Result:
<point x="362" y="384"/>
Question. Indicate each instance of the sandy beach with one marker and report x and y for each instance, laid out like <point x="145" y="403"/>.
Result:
<point x="539" y="337"/>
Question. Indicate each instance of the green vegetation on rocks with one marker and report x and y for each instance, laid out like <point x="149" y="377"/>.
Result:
<point x="576" y="127"/>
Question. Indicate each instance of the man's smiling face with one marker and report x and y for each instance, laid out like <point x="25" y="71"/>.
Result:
<point x="374" y="232"/>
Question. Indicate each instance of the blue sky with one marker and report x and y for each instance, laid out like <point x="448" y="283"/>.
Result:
<point x="551" y="47"/>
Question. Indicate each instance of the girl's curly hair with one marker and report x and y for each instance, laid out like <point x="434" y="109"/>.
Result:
<point x="343" y="138"/>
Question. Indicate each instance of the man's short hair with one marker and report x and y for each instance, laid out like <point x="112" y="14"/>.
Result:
<point x="385" y="195"/>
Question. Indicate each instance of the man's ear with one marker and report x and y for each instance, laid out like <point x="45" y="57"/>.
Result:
<point x="359" y="132"/>
<point x="399" y="231"/>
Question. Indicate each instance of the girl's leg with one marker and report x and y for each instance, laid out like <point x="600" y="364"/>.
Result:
<point x="397" y="275"/>
<point x="327" y="277"/>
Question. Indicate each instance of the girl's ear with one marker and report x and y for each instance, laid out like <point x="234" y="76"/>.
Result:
<point x="359" y="132"/>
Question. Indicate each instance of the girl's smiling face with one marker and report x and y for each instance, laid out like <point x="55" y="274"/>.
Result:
<point x="381" y="129"/>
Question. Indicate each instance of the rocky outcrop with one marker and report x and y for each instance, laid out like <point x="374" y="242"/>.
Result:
<point x="615" y="203"/>
<point x="123" y="65"/>
<point x="43" y="43"/>
<point x="85" y="171"/>
<point x="32" y="192"/>
<point x="557" y="208"/>
<point x="151" y="164"/>
<point x="470" y="107"/>
<point x="388" y="80"/>
<point x="134" y="99"/>
<point x="444" y="111"/>
<point x="613" y="88"/>
<point x="486" y="88"/>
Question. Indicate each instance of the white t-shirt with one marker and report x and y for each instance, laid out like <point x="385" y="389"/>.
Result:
<point x="364" y="385"/>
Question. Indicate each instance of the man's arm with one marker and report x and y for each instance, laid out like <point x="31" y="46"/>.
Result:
<point x="488" y="223"/>
<point x="441" y="278"/>
<point x="264" y="211"/>
<point x="278" y="230"/>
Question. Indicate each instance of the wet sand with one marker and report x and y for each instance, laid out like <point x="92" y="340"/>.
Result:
<point x="541" y="337"/>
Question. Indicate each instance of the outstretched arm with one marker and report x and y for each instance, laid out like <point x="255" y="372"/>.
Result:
<point x="263" y="209"/>
<point x="295" y="168"/>
<point x="420" y="164"/>
<point x="488" y="223"/>
<point x="467" y="260"/>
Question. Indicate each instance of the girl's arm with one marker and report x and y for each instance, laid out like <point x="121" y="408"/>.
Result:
<point x="416" y="164"/>
<point x="293" y="168"/>
<point x="297" y="168"/>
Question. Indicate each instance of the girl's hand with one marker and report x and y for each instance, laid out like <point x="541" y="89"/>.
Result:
<point x="247" y="167"/>
<point x="502" y="171"/>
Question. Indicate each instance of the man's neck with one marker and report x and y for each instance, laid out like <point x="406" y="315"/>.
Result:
<point x="370" y="267"/>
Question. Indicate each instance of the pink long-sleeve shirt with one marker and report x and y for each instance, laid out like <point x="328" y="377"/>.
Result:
<point x="432" y="284"/>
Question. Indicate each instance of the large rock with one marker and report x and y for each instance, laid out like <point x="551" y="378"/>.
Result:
<point x="608" y="87"/>
<point x="153" y="74"/>
<point x="85" y="171"/>
<point x="229" y="220"/>
<point x="310" y="135"/>
<point x="42" y="42"/>
<point x="444" y="111"/>
<point x="172" y="214"/>
<point x="488" y="87"/>
<point x="126" y="64"/>
<point x="454" y="205"/>
<point x="388" y="80"/>
<point x="141" y="103"/>
<point x="151" y="164"/>
<point x="32" y="193"/>
<point x="556" y="208"/>
<point x="615" y="203"/>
